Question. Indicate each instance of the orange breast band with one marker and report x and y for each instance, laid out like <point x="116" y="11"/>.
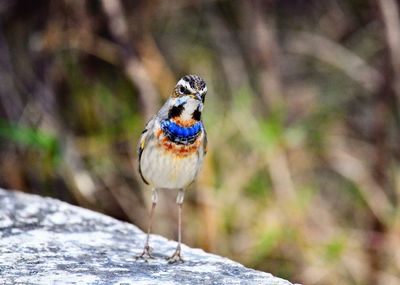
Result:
<point x="184" y="123"/>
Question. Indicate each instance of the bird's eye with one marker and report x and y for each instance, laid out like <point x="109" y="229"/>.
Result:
<point x="182" y="90"/>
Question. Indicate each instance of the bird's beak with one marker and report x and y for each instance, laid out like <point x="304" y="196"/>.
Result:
<point x="197" y="96"/>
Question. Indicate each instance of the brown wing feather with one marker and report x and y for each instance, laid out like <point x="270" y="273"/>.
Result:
<point x="142" y="144"/>
<point x="205" y="141"/>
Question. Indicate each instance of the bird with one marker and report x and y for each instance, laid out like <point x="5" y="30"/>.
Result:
<point x="171" y="150"/>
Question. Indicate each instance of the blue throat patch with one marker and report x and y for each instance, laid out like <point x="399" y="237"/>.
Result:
<point x="181" y="135"/>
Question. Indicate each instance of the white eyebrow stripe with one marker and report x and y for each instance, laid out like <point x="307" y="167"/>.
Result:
<point x="185" y="84"/>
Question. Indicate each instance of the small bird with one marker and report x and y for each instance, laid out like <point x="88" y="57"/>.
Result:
<point x="172" y="147"/>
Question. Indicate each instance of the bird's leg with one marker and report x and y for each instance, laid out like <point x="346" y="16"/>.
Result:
<point x="146" y="254"/>
<point x="177" y="254"/>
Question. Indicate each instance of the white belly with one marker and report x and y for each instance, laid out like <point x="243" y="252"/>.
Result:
<point x="163" y="169"/>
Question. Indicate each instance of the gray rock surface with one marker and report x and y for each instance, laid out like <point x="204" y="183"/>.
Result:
<point x="46" y="241"/>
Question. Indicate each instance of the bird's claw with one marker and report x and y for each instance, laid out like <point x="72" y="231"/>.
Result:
<point x="146" y="254"/>
<point x="176" y="257"/>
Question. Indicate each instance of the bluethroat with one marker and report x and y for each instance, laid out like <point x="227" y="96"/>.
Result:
<point x="172" y="147"/>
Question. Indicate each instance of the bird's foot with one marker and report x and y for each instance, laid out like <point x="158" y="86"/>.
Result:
<point x="176" y="257"/>
<point x="146" y="254"/>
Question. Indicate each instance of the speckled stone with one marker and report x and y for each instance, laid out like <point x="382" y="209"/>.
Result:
<point x="46" y="241"/>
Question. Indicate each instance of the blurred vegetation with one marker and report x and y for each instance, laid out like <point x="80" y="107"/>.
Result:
<point x="302" y="178"/>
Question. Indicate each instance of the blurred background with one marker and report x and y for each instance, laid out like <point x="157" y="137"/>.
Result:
<point x="302" y="177"/>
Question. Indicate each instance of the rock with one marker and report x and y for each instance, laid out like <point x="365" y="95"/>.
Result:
<point x="46" y="241"/>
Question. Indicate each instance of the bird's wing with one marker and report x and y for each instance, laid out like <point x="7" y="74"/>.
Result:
<point x="205" y="141"/>
<point x="143" y="141"/>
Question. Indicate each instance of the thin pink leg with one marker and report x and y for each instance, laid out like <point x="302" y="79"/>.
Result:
<point x="176" y="257"/>
<point x="146" y="254"/>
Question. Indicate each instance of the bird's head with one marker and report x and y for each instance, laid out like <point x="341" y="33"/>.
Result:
<point x="191" y="86"/>
<point x="188" y="98"/>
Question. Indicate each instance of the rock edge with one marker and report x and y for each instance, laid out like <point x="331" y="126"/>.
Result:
<point x="46" y="241"/>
